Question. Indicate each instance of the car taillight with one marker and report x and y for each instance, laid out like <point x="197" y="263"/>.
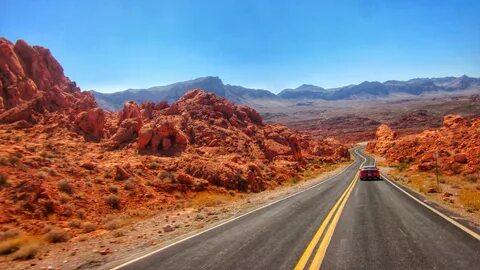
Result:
<point x="377" y="173"/>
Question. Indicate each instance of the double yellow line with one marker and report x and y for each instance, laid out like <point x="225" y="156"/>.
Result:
<point x="332" y="216"/>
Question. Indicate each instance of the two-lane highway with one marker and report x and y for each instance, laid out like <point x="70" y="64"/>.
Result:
<point x="341" y="223"/>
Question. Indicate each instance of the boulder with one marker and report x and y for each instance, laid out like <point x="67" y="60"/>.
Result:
<point x="91" y="123"/>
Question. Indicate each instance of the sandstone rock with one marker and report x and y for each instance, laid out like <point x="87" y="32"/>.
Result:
<point x="32" y="82"/>
<point x="88" y="165"/>
<point x="162" y="137"/>
<point x="168" y="228"/>
<point x="452" y="120"/>
<point x="91" y="123"/>
<point x="457" y="145"/>
<point x="461" y="158"/>
<point x="131" y="110"/>
<point x="126" y="132"/>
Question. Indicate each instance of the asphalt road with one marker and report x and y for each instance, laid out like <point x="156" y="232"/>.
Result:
<point x="342" y="223"/>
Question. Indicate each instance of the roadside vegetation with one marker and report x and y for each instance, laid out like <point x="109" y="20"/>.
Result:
<point x="458" y="192"/>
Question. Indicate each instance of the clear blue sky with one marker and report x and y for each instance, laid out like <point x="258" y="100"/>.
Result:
<point x="113" y="45"/>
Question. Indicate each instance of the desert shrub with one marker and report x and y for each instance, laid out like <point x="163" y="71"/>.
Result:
<point x="113" y="223"/>
<point x="27" y="251"/>
<point x="57" y="235"/>
<point x="75" y="223"/>
<point x="88" y="227"/>
<point x="166" y="175"/>
<point x="3" y="180"/>
<point x="64" y="198"/>
<point x="81" y="214"/>
<point x="456" y="168"/>
<point x="50" y="171"/>
<point x="113" y="201"/>
<point x="472" y="178"/>
<point x="295" y="180"/>
<point x="13" y="159"/>
<point x="42" y="175"/>
<point x="113" y="189"/>
<point x="65" y="186"/>
<point x="129" y="185"/>
<point x="108" y="174"/>
<point x="4" y="160"/>
<point x="118" y="233"/>
<point x="9" y="234"/>
<point x="402" y="166"/>
<point x="31" y="148"/>
<point x="11" y="245"/>
<point x="153" y="165"/>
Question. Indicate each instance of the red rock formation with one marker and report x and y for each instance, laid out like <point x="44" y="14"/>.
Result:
<point x="32" y="82"/>
<point x="457" y="145"/>
<point x="159" y="151"/>
<point x="91" y="123"/>
<point x="384" y="138"/>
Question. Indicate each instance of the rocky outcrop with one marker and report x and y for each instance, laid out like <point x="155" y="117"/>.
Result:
<point x="146" y="156"/>
<point x="32" y="82"/>
<point x="163" y="138"/>
<point x="91" y="123"/>
<point x="384" y="138"/>
<point x="455" y="147"/>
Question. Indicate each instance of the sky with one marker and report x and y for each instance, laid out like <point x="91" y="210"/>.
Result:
<point x="114" y="45"/>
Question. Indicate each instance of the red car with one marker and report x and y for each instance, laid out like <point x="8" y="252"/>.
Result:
<point x="369" y="173"/>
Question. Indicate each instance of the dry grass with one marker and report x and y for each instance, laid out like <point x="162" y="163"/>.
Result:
<point x="470" y="199"/>
<point x="20" y="245"/>
<point x="11" y="245"/>
<point x="88" y="227"/>
<point x="27" y="251"/>
<point x="57" y="235"/>
<point x="75" y="223"/>
<point x="211" y="199"/>
<point x="465" y="188"/>
<point x="113" y="223"/>
<point x="9" y="234"/>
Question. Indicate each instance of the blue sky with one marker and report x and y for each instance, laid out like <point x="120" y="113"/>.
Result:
<point x="114" y="45"/>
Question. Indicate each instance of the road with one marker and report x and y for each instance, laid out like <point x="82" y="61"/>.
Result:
<point x="342" y="223"/>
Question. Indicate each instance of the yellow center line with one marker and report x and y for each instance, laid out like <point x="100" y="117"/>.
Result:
<point x="311" y="246"/>
<point x="316" y="238"/>
<point x="322" y="249"/>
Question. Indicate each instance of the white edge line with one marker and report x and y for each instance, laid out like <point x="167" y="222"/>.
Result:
<point x="449" y="219"/>
<point x="235" y="218"/>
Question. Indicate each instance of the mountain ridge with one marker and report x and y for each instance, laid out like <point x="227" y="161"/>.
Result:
<point x="239" y="94"/>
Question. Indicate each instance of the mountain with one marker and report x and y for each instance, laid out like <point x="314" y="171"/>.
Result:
<point x="377" y="89"/>
<point x="303" y="91"/>
<point x="172" y="92"/>
<point x="242" y="95"/>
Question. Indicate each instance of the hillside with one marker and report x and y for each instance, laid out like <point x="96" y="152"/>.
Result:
<point x="442" y="163"/>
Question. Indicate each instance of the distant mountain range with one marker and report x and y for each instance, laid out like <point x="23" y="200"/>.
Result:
<point x="239" y="94"/>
